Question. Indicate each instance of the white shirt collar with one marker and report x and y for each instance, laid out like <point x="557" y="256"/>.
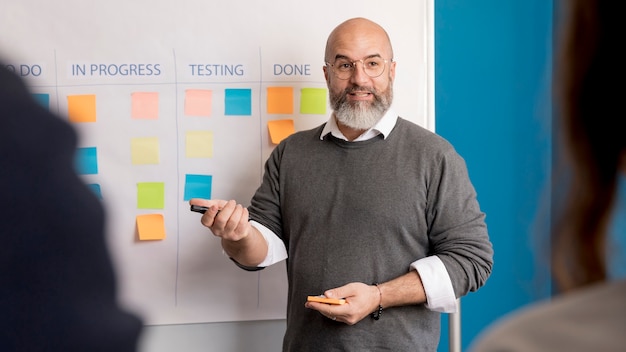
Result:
<point x="383" y="126"/>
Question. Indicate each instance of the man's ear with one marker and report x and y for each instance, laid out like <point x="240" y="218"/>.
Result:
<point x="325" y="68"/>
<point x="392" y="70"/>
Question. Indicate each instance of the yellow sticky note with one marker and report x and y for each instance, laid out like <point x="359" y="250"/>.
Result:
<point x="145" y="150"/>
<point x="151" y="227"/>
<point x="199" y="144"/>
<point x="280" y="129"/>
<point x="280" y="100"/>
<point x="145" y="105"/>
<point x="81" y="108"/>
<point x="198" y="102"/>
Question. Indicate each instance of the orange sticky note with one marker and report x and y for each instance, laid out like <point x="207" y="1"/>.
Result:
<point x="81" y="108"/>
<point x="280" y="100"/>
<point x="323" y="299"/>
<point x="280" y="129"/>
<point x="151" y="227"/>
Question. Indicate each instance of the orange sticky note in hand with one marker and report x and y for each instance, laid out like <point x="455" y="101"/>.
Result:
<point x="324" y="299"/>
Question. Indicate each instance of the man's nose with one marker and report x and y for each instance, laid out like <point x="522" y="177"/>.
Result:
<point x="358" y="74"/>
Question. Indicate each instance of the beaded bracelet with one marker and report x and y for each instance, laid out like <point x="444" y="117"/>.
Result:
<point x="377" y="313"/>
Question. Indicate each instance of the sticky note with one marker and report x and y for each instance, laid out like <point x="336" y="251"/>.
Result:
<point x="280" y="129"/>
<point x="280" y="100"/>
<point x="198" y="102"/>
<point x="323" y="299"/>
<point x="198" y="186"/>
<point x="199" y="144"/>
<point x="144" y="150"/>
<point x="86" y="161"/>
<point x="43" y="100"/>
<point x="145" y="105"/>
<point x="238" y="102"/>
<point x="151" y="227"/>
<point x="313" y="101"/>
<point x="81" y="108"/>
<point x="95" y="188"/>
<point x="150" y="195"/>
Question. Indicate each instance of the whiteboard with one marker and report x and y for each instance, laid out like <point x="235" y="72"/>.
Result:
<point x="138" y="64"/>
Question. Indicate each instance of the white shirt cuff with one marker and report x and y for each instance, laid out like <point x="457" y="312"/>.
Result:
<point x="276" y="250"/>
<point x="437" y="284"/>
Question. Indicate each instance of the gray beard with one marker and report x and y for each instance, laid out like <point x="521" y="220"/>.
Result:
<point x="361" y="115"/>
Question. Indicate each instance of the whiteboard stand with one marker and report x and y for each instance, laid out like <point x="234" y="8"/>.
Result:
<point x="454" y="329"/>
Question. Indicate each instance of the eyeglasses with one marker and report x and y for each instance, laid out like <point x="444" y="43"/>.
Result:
<point x="373" y="66"/>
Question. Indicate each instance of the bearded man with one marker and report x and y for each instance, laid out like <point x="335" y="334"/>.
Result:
<point x="369" y="208"/>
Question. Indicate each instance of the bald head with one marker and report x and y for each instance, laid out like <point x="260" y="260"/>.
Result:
<point x="358" y="31"/>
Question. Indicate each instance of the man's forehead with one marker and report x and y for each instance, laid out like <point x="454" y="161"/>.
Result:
<point x="357" y="39"/>
<point x="358" y="50"/>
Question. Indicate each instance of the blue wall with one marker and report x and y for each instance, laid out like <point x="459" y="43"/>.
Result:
<point x="492" y="101"/>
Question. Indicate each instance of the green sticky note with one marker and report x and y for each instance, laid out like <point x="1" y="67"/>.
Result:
<point x="150" y="195"/>
<point x="313" y="101"/>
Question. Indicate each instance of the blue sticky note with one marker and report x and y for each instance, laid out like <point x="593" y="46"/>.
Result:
<point x="238" y="101"/>
<point x="617" y="234"/>
<point x="43" y="100"/>
<point x="87" y="161"/>
<point x="198" y="186"/>
<point x="95" y="188"/>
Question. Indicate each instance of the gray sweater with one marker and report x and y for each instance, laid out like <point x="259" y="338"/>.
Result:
<point x="363" y="212"/>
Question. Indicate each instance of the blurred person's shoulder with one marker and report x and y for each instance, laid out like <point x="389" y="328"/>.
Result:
<point x="589" y="319"/>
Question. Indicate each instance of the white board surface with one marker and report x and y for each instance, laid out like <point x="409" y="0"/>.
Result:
<point x="116" y="51"/>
